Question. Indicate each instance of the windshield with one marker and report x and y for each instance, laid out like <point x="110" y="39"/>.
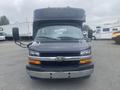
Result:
<point x="59" y="32"/>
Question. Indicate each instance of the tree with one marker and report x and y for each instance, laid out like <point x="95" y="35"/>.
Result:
<point x="4" y="20"/>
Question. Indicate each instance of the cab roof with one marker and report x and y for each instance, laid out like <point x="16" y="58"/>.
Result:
<point x="67" y="13"/>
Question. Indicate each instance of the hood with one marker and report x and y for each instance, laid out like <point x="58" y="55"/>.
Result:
<point x="59" y="46"/>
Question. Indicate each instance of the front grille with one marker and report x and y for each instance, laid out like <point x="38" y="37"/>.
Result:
<point x="57" y="64"/>
<point x="55" y="54"/>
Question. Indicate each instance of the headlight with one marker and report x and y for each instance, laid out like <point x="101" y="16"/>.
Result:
<point x="85" y="52"/>
<point x="34" y="53"/>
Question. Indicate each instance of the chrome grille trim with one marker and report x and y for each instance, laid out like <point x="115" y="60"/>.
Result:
<point x="65" y="58"/>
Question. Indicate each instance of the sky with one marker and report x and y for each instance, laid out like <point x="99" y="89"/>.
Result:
<point x="97" y="11"/>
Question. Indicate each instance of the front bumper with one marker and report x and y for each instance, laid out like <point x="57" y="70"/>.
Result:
<point x="60" y="75"/>
<point x="60" y="72"/>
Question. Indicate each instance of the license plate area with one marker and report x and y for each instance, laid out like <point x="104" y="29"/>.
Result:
<point x="60" y="75"/>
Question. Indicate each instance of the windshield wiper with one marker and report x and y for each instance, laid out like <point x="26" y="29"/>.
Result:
<point x="67" y="38"/>
<point x="47" y="37"/>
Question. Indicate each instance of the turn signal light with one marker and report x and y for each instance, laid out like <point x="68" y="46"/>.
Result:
<point x="85" y="61"/>
<point x="35" y="62"/>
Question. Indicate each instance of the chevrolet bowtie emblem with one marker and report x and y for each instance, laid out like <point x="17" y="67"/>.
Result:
<point x="60" y="58"/>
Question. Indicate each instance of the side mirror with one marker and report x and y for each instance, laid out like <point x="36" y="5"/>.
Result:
<point x="90" y="34"/>
<point x="84" y="34"/>
<point x="15" y="32"/>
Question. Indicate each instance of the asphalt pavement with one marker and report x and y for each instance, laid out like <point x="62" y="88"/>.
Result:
<point x="106" y="76"/>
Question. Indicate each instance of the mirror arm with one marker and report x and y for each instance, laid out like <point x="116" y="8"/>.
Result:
<point x="21" y="44"/>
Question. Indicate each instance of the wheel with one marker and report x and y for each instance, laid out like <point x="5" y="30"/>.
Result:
<point x="117" y="42"/>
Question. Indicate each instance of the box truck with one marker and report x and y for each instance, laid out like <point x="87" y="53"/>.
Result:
<point x="25" y="29"/>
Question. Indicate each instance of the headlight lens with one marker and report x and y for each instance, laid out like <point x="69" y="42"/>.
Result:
<point x="34" y="53"/>
<point x="85" y="52"/>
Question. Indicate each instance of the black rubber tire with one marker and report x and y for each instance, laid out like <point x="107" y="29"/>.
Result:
<point x="117" y="42"/>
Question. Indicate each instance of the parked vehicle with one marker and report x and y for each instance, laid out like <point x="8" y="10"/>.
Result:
<point x="116" y="37"/>
<point x="2" y="34"/>
<point x="59" y="50"/>
<point x="105" y="32"/>
<point x="25" y="29"/>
